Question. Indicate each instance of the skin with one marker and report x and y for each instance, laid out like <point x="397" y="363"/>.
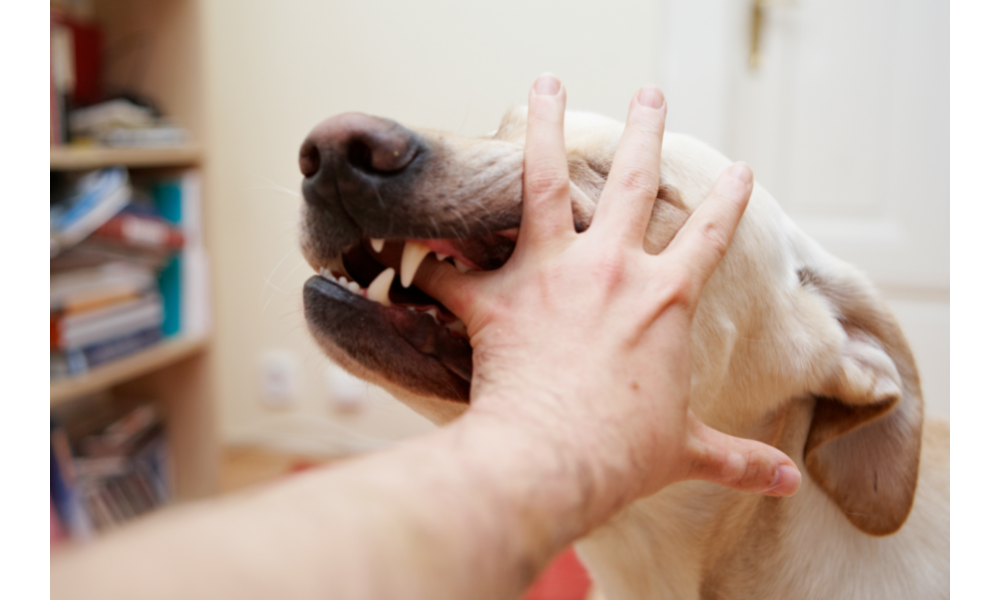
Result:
<point x="572" y="417"/>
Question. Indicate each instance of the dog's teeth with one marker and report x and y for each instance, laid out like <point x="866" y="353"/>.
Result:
<point x="354" y="286"/>
<point x="378" y="290"/>
<point x="413" y="255"/>
<point x="342" y="281"/>
<point x="440" y="256"/>
<point x="458" y="327"/>
<point x="378" y="244"/>
<point x="462" y="268"/>
<point x="336" y="265"/>
<point x="433" y="311"/>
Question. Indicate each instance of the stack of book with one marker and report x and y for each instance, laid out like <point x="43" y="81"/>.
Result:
<point x="116" y="280"/>
<point x="101" y="478"/>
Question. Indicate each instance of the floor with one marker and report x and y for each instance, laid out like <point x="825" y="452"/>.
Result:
<point x="244" y="466"/>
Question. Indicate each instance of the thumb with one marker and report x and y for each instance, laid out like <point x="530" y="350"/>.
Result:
<point x="743" y="465"/>
<point x="443" y="282"/>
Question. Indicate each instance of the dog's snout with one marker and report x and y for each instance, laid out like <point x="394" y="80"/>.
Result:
<point x="351" y="144"/>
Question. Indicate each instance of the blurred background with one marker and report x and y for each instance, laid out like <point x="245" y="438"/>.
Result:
<point x="840" y="106"/>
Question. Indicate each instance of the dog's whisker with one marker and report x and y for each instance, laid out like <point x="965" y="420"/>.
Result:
<point x="267" y="280"/>
<point x="274" y="188"/>
<point x="271" y="185"/>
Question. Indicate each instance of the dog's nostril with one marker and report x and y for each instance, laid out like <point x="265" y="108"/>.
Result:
<point x="359" y="156"/>
<point x="309" y="159"/>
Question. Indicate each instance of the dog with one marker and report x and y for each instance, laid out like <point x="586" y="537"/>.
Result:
<point x="790" y="346"/>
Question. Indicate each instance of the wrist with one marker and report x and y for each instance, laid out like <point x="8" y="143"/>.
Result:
<point x="561" y="476"/>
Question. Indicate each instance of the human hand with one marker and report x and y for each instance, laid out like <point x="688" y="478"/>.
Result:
<point x="585" y="338"/>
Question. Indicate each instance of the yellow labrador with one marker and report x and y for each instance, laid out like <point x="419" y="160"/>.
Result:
<point x="790" y="346"/>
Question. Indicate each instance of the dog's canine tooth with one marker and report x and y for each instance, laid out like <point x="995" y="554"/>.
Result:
<point x="458" y="327"/>
<point x="336" y="264"/>
<point x="462" y="268"/>
<point x="440" y="256"/>
<point x="378" y="290"/>
<point x="413" y="255"/>
<point x="378" y="244"/>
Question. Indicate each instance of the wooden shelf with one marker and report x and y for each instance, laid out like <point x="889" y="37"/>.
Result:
<point x="141" y="363"/>
<point x="94" y="157"/>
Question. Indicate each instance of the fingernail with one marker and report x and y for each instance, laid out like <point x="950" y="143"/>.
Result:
<point x="741" y="171"/>
<point x="547" y="85"/>
<point x="786" y="481"/>
<point x="651" y="96"/>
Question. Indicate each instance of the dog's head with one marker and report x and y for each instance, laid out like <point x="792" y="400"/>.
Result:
<point x="780" y="321"/>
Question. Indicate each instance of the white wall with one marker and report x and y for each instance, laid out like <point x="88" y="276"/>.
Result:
<point x="275" y="69"/>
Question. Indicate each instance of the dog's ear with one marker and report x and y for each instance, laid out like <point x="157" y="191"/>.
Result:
<point x="863" y="447"/>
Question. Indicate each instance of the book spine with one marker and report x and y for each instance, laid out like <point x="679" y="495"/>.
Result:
<point x="141" y="231"/>
<point x="116" y="325"/>
<point x="121" y="347"/>
<point x="196" y="284"/>
<point x="169" y="202"/>
<point x="63" y="488"/>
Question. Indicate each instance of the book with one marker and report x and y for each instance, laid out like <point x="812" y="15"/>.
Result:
<point x="62" y="78"/>
<point x="140" y="230"/>
<point x="76" y="361"/>
<point x="73" y="289"/>
<point x="85" y="203"/>
<point x="118" y="471"/>
<point x="185" y="282"/>
<point x="114" y="321"/>
<point x="63" y="491"/>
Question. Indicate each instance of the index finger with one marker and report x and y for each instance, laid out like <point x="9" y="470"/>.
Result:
<point x="703" y="240"/>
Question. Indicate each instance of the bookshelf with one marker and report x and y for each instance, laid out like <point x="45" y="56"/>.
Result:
<point x="69" y="158"/>
<point x="144" y="362"/>
<point x="175" y="372"/>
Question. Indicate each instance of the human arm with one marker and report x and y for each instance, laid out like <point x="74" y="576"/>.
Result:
<point x="574" y="415"/>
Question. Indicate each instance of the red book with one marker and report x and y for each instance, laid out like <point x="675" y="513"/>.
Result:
<point x="144" y="231"/>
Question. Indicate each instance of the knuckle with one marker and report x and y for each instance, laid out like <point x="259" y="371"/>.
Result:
<point x="546" y="180"/>
<point x="715" y="238"/>
<point x="680" y="289"/>
<point x="635" y="180"/>
<point x="749" y="475"/>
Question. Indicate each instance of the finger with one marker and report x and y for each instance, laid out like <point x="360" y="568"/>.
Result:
<point x="628" y="196"/>
<point x="703" y="240"/>
<point x="740" y="464"/>
<point x="547" y="211"/>
<point x="458" y="291"/>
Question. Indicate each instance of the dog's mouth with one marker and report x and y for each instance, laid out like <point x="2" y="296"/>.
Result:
<point x="368" y="290"/>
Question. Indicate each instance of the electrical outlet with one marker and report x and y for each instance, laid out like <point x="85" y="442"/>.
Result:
<point x="345" y="392"/>
<point x="278" y="370"/>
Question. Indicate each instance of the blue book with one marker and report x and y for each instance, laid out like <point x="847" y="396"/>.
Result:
<point x="169" y="203"/>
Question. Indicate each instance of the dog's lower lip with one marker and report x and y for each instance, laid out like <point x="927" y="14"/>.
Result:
<point x="377" y="292"/>
<point x="419" y="327"/>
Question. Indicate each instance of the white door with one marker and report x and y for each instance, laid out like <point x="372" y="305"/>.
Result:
<point x="845" y="120"/>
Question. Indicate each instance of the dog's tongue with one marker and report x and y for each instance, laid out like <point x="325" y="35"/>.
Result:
<point x="427" y="337"/>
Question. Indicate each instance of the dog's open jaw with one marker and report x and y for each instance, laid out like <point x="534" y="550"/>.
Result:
<point x="379" y="273"/>
<point x="370" y="283"/>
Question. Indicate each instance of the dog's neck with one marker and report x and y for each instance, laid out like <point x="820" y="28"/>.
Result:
<point x="687" y="539"/>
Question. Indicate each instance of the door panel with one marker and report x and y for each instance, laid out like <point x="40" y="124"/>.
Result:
<point x="845" y="121"/>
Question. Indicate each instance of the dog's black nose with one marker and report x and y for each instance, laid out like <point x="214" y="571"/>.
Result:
<point x="354" y="145"/>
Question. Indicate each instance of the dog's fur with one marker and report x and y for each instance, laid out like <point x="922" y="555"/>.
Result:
<point x="790" y="346"/>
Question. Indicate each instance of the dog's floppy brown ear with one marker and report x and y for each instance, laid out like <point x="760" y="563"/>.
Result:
<point x="863" y="447"/>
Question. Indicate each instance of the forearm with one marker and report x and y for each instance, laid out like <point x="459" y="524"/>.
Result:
<point x="472" y="510"/>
